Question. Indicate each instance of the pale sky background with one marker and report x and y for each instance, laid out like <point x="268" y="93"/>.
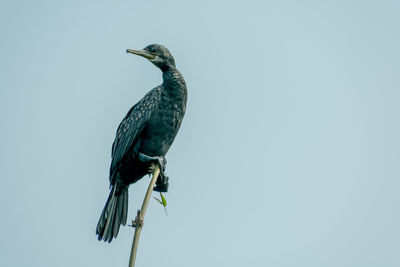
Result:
<point x="288" y="155"/>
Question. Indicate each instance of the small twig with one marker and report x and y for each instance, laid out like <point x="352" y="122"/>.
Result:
<point x="138" y="223"/>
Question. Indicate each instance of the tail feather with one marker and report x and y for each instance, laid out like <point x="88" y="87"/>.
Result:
<point x="117" y="220"/>
<point x="114" y="213"/>
<point x="124" y="211"/>
<point x="102" y="220"/>
<point x="107" y="229"/>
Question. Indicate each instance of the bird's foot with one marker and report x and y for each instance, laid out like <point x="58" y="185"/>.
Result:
<point x="162" y="162"/>
<point x="162" y="184"/>
<point x="152" y="169"/>
<point x="162" y="181"/>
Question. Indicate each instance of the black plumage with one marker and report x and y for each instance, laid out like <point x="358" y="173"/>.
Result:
<point x="144" y="137"/>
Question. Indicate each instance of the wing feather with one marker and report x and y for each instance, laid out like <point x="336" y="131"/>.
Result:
<point x="131" y="127"/>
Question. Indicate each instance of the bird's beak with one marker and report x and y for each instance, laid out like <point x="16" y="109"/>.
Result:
<point x="142" y="53"/>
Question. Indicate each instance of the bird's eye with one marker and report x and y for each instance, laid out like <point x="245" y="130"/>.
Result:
<point x="151" y="49"/>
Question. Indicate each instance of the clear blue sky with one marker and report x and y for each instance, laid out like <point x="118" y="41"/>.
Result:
<point x="288" y="155"/>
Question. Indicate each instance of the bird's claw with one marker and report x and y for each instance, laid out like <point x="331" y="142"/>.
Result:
<point x="162" y="184"/>
<point x="162" y="181"/>
<point x="152" y="169"/>
<point x="162" y="162"/>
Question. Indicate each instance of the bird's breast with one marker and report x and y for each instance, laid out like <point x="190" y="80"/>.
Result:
<point x="163" y="126"/>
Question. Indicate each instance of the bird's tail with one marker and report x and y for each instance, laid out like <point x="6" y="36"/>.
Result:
<point x="114" y="213"/>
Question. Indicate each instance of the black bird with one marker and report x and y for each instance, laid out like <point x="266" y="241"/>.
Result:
<point x="143" y="138"/>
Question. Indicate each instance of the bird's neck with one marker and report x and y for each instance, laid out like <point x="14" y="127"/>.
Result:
<point x="174" y="85"/>
<point x="172" y="78"/>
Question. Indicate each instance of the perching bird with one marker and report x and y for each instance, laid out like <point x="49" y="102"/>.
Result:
<point x="143" y="138"/>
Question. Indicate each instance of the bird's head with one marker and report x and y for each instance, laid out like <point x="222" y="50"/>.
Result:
<point x="157" y="54"/>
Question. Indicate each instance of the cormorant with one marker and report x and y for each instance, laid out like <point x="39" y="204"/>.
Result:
<point x="144" y="137"/>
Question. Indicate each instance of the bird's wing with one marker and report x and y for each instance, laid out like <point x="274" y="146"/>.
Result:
<point x="131" y="126"/>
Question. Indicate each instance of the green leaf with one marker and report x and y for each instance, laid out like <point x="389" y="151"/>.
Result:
<point x="159" y="201"/>
<point x="164" y="201"/>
